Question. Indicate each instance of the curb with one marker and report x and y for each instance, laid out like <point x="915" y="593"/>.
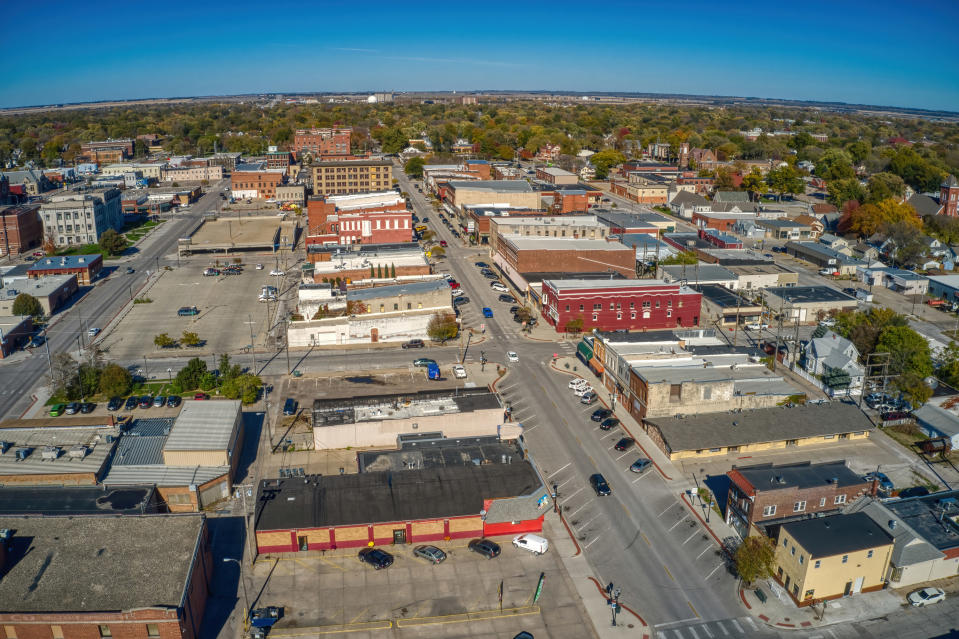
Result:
<point x="571" y="535"/>
<point x="30" y="407"/>
<point x="701" y="520"/>
<point x="624" y="607"/>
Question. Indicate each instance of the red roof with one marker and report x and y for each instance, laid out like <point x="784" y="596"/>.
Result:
<point x="744" y="485"/>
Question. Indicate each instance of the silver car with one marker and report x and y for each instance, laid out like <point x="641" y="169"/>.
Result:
<point x="431" y="554"/>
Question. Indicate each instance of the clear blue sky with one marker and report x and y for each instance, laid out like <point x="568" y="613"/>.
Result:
<point x="880" y="52"/>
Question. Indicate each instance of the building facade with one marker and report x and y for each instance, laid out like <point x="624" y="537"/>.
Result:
<point x="544" y="254"/>
<point x="192" y="174"/>
<point x="106" y="151"/>
<point x="20" y="229"/>
<point x="81" y="218"/>
<point x="328" y="141"/>
<point x="256" y="183"/>
<point x="351" y="176"/>
<point x="86" y="268"/>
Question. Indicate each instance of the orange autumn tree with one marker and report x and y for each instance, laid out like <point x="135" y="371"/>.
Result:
<point x="871" y="218"/>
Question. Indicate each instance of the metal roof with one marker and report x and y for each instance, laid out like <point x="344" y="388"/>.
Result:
<point x="95" y="453"/>
<point x="163" y="475"/>
<point x="409" y="288"/>
<point x="65" y="261"/>
<point x="204" y="425"/>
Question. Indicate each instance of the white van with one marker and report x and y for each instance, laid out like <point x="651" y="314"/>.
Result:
<point x="533" y="543"/>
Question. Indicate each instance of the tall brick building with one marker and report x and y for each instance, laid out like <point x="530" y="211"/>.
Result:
<point x="331" y="141"/>
<point x="362" y="218"/>
<point x="546" y="254"/>
<point x="20" y="229"/>
<point x="254" y="181"/>
<point x="949" y="196"/>
<point x="106" y="151"/>
<point x="351" y="176"/>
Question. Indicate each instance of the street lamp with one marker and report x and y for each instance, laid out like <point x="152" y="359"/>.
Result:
<point x="169" y="374"/>
<point x="246" y="600"/>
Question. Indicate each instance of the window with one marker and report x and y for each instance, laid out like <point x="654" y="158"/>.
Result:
<point x="632" y="315"/>
<point x="657" y="303"/>
<point x="845" y="558"/>
<point x="153" y="630"/>
<point x="612" y="306"/>
<point x="632" y="304"/>
<point x="802" y="559"/>
<point x="675" y="392"/>
<point x="708" y="392"/>
<point x="769" y="511"/>
<point x="11" y="632"/>
<point x="567" y="308"/>
<point x="817" y="564"/>
<point x="809" y="593"/>
<point x="105" y="631"/>
<point x="792" y="551"/>
<point x="409" y="305"/>
<point x="840" y="499"/>
<point x="646" y="305"/>
<point x="822" y="502"/>
<point x="581" y="307"/>
<point x="869" y="555"/>
<point x="785" y="542"/>
<point x="669" y="312"/>
<point x="799" y="506"/>
<point x="595" y="317"/>
<point x="619" y="316"/>
<point x="597" y="307"/>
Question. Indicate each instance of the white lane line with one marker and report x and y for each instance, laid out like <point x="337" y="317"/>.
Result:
<point x="676" y="524"/>
<point x="713" y="571"/>
<point x="751" y="623"/>
<point x="590" y="521"/>
<point x="673" y="623"/>
<point x="705" y="550"/>
<point x="664" y="512"/>
<point x="705" y="629"/>
<point x="572" y="514"/>
<point x="640" y="477"/>
<point x="722" y="627"/>
<point x="567" y="498"/>
<point x="591" y="543"/>
<point x="530" y="428"/>
<point x="558" y="486"/>
<point x="738" y="627"/>
<point x="695" y="532"/>
<point x="623" y="455"/>
<point x="690" y="629"/>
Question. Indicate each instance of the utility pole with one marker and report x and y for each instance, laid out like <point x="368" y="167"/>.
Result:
<point x="779" y="331"/>
<point x="252" y="344"/>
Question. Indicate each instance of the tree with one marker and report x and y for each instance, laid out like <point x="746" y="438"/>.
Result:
<point x="785" y="180"/>
<point x="835" y="164"/>
<point x="574" y="325"/>
<point x="604" y="160"/>
<point x="393" y="271"/>
<point x="245" y="387"/>
<point x="63" y="369"/>
<point x="908" y="246"/>
<point x="870" y="218"/>
<point x="49" y="248"/>
<point x="163" y="341"/>
<point x="883" y="186"/>
<point x="188" y="378"/>
<point x="864" y="329"/>
<point x="947" y="364"/>
<point x="915" y="387"/>
<point x="858" y="150"/>
<point x="683" y="257"/>
<point x="229" y="370"/>
<point x="414" y="167"/>
<point x="915" y="170"/>
<point x="755" y="184"/>
<point x="26" y="304"/>
<point x="908" y="351"/>
<point x="755" y="558"/>
<point x="442" y="326"/>
<point x="112" y="243"/>
<point x="842" y="191"/>
<point x="437" y="251"/>
<point x="189" y="338"/>
<point x="115" y="381"/>
<point x="724" y="179"/>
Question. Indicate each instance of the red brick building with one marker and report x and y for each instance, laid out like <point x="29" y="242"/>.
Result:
<point x="949" y="196"/>
<point x="127" y="576"/>
<point x="106" y="151"/>
<point x="20" y="229"/>
<point x="330" y="141"/>
<point x="400" y="507"/>
<point x="337" y="219"/>
<point x="546" y="254"/>
<point x="85" y="267"/>
<point x="381" y="227"/>
<point x="765" y="494"/>
<point x="609" y="305"/>
<point x="255" y="183"/>
<point x="278" y="160"/>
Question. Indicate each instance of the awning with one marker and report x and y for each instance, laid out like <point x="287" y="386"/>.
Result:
<point x="585" y="351"/>
<point x="597" y="366"/>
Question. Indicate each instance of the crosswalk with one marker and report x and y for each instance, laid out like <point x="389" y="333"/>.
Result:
<point x="717" y="629"/>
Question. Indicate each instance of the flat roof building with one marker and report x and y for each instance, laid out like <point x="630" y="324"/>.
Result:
<point x="52" y="291"/>
<point x="55" y="455"/>
<point x="807" y="303"/>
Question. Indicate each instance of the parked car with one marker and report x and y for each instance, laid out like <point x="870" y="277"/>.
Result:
<point x="512" y="357"/>
<point x="376" y="558"/>
<point x="599" y="484"/>
<point x="159" y="401"/>
<point x="487" y="312"/>
<point x="145" y="402"/>
<point x="624" y="444"/>
<point x="533" y="543"/>
<point x="433" y="371"/>
<point x="600" y="414"/>
<point x="289" y="406"/>
<point x="131" y="402"/>
<point x="641" y="465"/>
<point x="414" y="343"/>
<point x="277" y="273"/>
<point x="828" y="272"/>
<point x="114" y="404"/>
<point x="926" y="596"/>
<point x="509" y="299"/>
<point x="130" y="270"/>
<point x="431" y="554"/>
<point x="609" y="423"/>
<point x="93" y="332"/>
<point x="884" y="482"/>
<point x="186" y="311"/>
<point x="589" y="398"/>
<point x="482" y="264"/>
<point x="485" y="547"/>
<point x="579" y="391"/>
<point x="576" y="383"/>
<point x="443" y="243"/>
<point x="829" y="322"/>
<point x="200" y="396"/>
<point x="498" y="287"/>
<point x="459" y="371"/>
<point x="423" y="361"/>
<point x="462" y="299"/>
<point x="72" y="408"/>
<point x="211" y="272"/>
<point x="173" y="401"/>
<point x="490" y="275"/>
<point x="756" y="326"/>
<point x="259" y="267"/>
<point x="915" y="491"/>
<point x="87" y="407"/>
<point x="57" y="409"/>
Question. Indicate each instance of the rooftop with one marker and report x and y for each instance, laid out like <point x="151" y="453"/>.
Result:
<point x="511" y="186"/>
<point x="426" y="450"/>
<point x="802" y="475"/>
<point x="722" y="296"/>
<point x="10" y="322"/>
<point x="204" y="425"/>
<point x="718" y="430"/>
<point x="809" y="294"/>
<point x="76" y="500"/>
<point x="524" y="243"/>
<point x="557" y="172"/>
<point x="88" y="564"/>
<point x="559" y="275"/>
<point x="553" y="220"/>
<point x="251" y="167"/>
<point x="933" y="516"/>
<point x="39" y="287"/>
<point x="909" y="547"/>
<point x="55" y="451"/>
<point x="429" y="493"/>
<point x="837" y="535"/>
<point x="781" y="223"/>
<point x="409" y="288"/>
<point x="371" y="162"/>
<point x="334" y="412"/>
<point x="593" y="284"/>
<point x="65" y="261"/>
<point x="699" y="272"/>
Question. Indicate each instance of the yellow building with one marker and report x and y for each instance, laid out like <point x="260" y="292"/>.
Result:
<point x="832" y="557"/>
<point x="336" y="177"/>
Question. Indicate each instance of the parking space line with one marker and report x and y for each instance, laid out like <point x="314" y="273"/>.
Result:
<point x="705" y="629"/>
<point x="353" y="620"/>
<point x="667" y="509"/>
<point x="705" y="550"/>
<point x="623" y="455"/>
<point x="752" y="624"/>
<point x="714" y="571"/>
<point x="640" y="477"/>
<point x="577" y="510"/>
<point x="690" y="628"/>
<point x="590" y="521"/>
<point x="558" y="486"/>
<point x="722" y="627"/>
<point x="574" y="494"/>
<point x="738" y="627"/>
<point x="591" y="543"/>
<point x="676" y="524"/>
<point x="695" y="532"/>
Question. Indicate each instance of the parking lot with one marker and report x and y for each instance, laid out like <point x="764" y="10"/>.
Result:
<point x="226" y="304"/>
<point x="336" y="593"/>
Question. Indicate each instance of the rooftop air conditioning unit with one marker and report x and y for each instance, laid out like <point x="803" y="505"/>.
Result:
<point x="50" y="452"/>
<point x="77" y="452"/>
<point x="23" y="453"/>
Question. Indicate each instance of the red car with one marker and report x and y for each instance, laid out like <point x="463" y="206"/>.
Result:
<point x="442" y="242"/>
<point x="201" y="396"/>
<point x="454" y="285"/>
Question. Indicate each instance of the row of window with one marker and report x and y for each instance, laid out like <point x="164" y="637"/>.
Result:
<point x="354" y="169"/>
<point x="802" y="558"/>
<point x="789" y="442"/>
<point x="632" y="315"/>
<point x="615" y="306"/>
<point x="356" y="225"/>
<point x="800" y="506"/>
<point x="153" y="630"/>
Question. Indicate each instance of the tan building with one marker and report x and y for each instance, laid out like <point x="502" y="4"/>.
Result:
<point x="832" y="557"/>
<point x="205" y="433"/>
<point x="351" y="176"/>
<point x="572" y="226"/>
<point x="517" y="194"/>
<point x="147" y="170"/>
<point x="554" y="175"/>
<point x="641" y="190"/>
<point x="294" y="193"/>
<point x="193" y="174"/>
<point x="378" y="421"/>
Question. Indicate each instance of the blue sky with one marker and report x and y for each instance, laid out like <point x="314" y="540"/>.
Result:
<point x="879" y="52"/>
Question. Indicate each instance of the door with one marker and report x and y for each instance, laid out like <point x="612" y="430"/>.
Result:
<point x="399" y="536"/>
<point x="374" y="335"/>
<point x="303" y="543"/>
<point x="857" y="587"/>
<point x="847" y="589"/>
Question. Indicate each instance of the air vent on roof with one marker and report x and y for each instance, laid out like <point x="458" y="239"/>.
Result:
<point x="50" y="452"/>
<point x="833" y="480"/>
<point x="77" y="452"/>
<point x="23" y="453"/>
<point x="892" y="524"/>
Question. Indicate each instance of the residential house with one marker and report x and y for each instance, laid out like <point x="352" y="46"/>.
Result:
<point x="835" y="360"/>
<point x="813" y="223"/>
<point x="865" y="252"/>
<point x="897" y="279"/>
<point x="731" y="196"/>
<point x="924" y="205"/>
<point x="939" y="420"/>
<point x="684" y="204"/>
<point x="835" y="242"/>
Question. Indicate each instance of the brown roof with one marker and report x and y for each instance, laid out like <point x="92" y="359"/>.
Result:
<point x="824" y="207"/>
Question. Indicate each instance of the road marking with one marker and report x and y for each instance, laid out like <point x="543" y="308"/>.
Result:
<point x="530" y="428"/>
<point x="590" y="521"/>
<point x="705" y="629"/>
<point x="695" y="532"/>
<point x="751" y="623"/>
<point x="646" y="539"/>
<point x="640" y="477"/>
<point x="626" y="509"/>
<point x="574" y="494"/>
<point x="738" y="627"/>
<point x="353" y="620"/>
<point x="623" y="455"/>
<point x="705" y="550"/>
<point x="577" y="510"/>
<point x="690" y="628"/>
<point x="689" y="603"/>
<point x="722" y="627"/>
<point x="673" y="623"/>
<point x="714" y="571"/>
<point x="591" y="543"/>
<point x="676" y="524"/>
<point x="667" y="508"/>
<point x="558" y="486"/>
<point x="667" y="572"/>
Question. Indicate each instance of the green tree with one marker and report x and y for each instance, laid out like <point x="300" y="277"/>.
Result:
<point x="884" y="186"/>
<point x="835" y="164"/>
<point x="112" y="243"/>
<point x="188" y="378"/>
<point x="915" y="387"/>
<point x="229" y="370"/>
<point x="245" y="387"/>
<point x="870" y="218"/>
<point x="437" y="251"/>
<point x="842" y="191"/>
<point x="908" y="351"/>
<point x="26" y="304"/>
<point x="414" y="167"/>
<point x="858" y="150"/>
<point x="393" y="271"/>
<point x="755" y="558"/>
<point x="574" y="325"/>
<point x="115" y="381"/>
<point x="189" y="338"/>
<point x="785" y="180"/>
<point x="947" y="364"/>
<point x="442" y="326"/>
<point x="163" y="341"/>
<point x="683" y="257"/>
<point x="755" y="184"/>
<point x="604" y="160"/>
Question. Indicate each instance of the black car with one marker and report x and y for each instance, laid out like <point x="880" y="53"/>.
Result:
<point x="509" y="299"/>
<point x="609" y="423"/>
<point x="485" y="547"/>
<point x="513" y="309"/>
<point x="462" y="299"/>
<point x="289" y="406"/>
<point x="598" y="482"/>
<point x="600" y="414"/>
<point x="489" y="276"/>
<point x="145" y="402"/>
<point x="414" y="343"/>
<point x="482" y="264"/>
<point x="624" y="444"/>
<point x="173" y="401"/>
<point x="130" y="270"/>
<point x="376" y="558"/>
<point x="87" y="407"/>
<point x="72" y="408"/>
<point x="131" y="402"/>
<point x="114" y="404"/>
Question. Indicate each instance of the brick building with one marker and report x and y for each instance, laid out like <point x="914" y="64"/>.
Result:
<point x="15" y="332"/>
<point x="364" y="261"/>
<point x="81" y="218"/>
<point x="104" y="576"/>
<point x="192" y="174"/>
<point x="384" y="227"/>
<point x="106" y="151"/>
<point x="278" y="160"/>
<point x="610" y="305"/>
<point x="765" y="494"/>
<point x="86" y="268"/>
<point x="351" y="176"/>
<point x="368" y="218"/>
<point x="543" y="255"/>
<point x="255" y="181"/>
<point x="949" y="196"/>
<point x="20" y="229"/>
<point x="330" y="141"/>
<point x="535" y="224"/>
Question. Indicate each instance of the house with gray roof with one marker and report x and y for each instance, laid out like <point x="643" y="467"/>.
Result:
<point x="936" y="421"/>
<point x="924" y="204"/>
<point x="684" y="204"/>
<point x="835" y="359"/>
<point x="731" y="196"/>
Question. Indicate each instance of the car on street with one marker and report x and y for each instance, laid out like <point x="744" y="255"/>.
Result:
<point x="259" y="267"/>
<point x="485" y="547"/>
<point x="599" y="484"/>
<point x="114" y="404"/>
<point x="145" y="402"/>
<point x="756" y="326"/>
<point x="131" y="402"/>
<point x="533" y="543"/>
<point x="579" y="391"/>
<point x="482" y="264"/>
<point x="277" y="273"/>
<point x="289" y="406"/>
<point x="768" y="255"/>
<point x="589" y="397"/>
<point x="443" y="243"/>
<point x="200" y="397"/>
<point x="609" y="423"/>
<point x="828" y="272"/>
<point x="926" y="596"/>
<point x="72" y="408"/>
<point x="600" y="414"/>
<point x="829" y="322"/>
<point x="498" y="287"/>
<point x="424" y="361"/>
<point x="624" y="444"/>
<point x="159" y="401"/>
<point x="173" y="401"/>
<point x="57" y="409"/>
<point x="462" y="299"/>
<point x="431" y="554"/>
<point x="884" y="482"/>
<point x="512" y="357"/>
<point x="487" y="312"/>
<point x="414" y="343"/>
<point x="130" y="270"/>
<point x="376" y="558"/>
<point x="577" y="382"/>
<point x="459" y="371"/>
<point x="509" y="299"/>
<point x="93" y="332"/>
<point x="641" y="465"/>
<point x="87" y="407"/>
